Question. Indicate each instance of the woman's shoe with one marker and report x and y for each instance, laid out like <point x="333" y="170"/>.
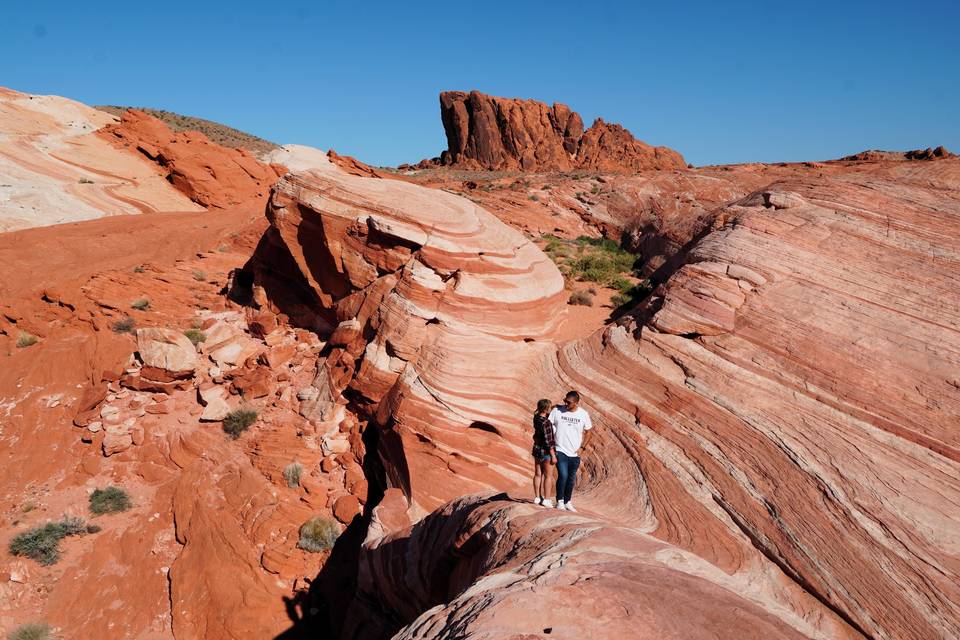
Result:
<point x="538" y="500"/>
<point x="547" y="502"/>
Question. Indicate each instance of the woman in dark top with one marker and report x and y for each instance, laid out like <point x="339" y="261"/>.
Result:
<point x="544" y="453"/>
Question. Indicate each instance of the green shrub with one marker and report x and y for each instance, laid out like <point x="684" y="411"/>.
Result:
<point x="318" y="534"/>
<point x="109" y="500"/>
<point x="195" y="335"/>
<point x="238" y="421"/>
<point x="124" y="325"/>
<point x="43" y="543"/>
<point x="199" y="276"/>
<point x="32" y="631"/>
<point x="620" y="299"/>
<point x="582" y="298"/>
<point x="534" y="197"/>
<point x="621" y="284"/>
<point x="140" y="305"/>
<point x="25" y="340"/>
<point x="292" y="473"/>
<point x="139" y="269"/>
<point x="85" y="181"/>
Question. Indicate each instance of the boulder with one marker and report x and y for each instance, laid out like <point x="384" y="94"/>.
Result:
<point x="167" y="353"/>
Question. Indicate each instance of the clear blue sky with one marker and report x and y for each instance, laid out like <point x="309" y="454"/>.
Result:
<point x="718" y="81"/>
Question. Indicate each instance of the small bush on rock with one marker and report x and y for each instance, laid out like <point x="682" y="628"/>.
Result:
<point x="582" y="298"/>
<point x="199" y="276"/>
<point x="292" y="473"/>
<point x="318" y="534"/>
<point x="25" y="340"/>
<point x="32" y="631"/>
<point x="124" y="325"/>
<point x="109" y="500"/>
<point x="140" y="305"/>
<point x="238" y="421"/>
<point x="43" y="543"/>
<point x="139" y="269"/>
<point x="195" y="335"/>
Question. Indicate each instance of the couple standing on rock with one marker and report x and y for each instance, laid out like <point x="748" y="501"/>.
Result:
<point x="558" y="435"/>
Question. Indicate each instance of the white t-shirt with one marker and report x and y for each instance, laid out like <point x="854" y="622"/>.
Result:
<point x="569" y="427"/>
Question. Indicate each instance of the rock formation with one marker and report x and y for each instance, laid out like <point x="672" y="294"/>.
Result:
<point x="207" y="173"/>
<point x="510" y="134"/>
<point x="740" y="448"/>
<point x="774" y="455"/>
<point x="54" y="168"/>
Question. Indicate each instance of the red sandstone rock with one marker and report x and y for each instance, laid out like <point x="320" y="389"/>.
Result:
<point x="205" y="172"/>
<point x="346" y="508"/>
<point x="509" y="134"/>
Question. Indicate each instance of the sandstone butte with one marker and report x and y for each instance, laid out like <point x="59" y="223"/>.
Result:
<point x="775" y="453"/>
<point x="512" y="134"/>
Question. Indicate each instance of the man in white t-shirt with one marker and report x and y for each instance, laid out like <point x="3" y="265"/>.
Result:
<point x="571" y="424"/>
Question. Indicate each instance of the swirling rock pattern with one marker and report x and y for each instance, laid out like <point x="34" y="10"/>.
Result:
<point x="774" y="424"/>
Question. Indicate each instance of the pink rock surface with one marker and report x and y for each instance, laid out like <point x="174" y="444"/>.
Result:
<point x="54" y="168"/>
<point x="742" y="456"/>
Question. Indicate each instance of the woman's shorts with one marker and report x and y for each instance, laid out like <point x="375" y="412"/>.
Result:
<point x="540" y="453"/>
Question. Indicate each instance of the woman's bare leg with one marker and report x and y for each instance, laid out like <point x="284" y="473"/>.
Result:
<point x="537" y="480"/>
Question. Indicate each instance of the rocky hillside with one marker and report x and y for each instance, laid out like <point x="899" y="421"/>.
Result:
<point x="505" y="134"/>
<point x="217" y="133"/>
<point x="320" y="416"/>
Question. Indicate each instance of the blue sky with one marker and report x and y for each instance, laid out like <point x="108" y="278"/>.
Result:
<point x="718" y="81"/>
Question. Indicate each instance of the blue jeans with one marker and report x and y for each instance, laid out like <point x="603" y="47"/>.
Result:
<point x="566" y="475"/>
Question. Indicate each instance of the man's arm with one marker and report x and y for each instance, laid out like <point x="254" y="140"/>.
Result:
<point x="587" y="432"/>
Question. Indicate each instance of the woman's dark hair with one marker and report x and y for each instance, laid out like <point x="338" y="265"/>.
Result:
<point x="543" y="404"/>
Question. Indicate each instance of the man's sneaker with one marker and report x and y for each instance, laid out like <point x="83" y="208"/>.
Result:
<point x="569" y="507"/>
<point x="537" y="500"/>
<point x="547" y="502"/>
<point x="560" y="505"/>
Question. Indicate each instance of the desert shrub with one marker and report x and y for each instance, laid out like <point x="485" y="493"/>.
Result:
<point x="620" y="299"/>
<point x="124" y="325"/>
<point x="292" y="473"/>
<point x="139" y="269"/>
<point x="25" y="340"/>
<point x="199" y="276"/>
<point x="195" y="335"/>
<point x="595" y="190"/>
<point x="43" y="543"/>
<point x="621" y="284"/>
<point x="318" y="534"/>
<point x="85" y="181"/>
<point x="581" y="298"/>
<point x="534" y="197"/>
<point x="109" y="500"/>
<point x="140" y="305"/>
<point x="634" y="294"/>
<point x="32" y="631"/>
<point x="238" y="421"/>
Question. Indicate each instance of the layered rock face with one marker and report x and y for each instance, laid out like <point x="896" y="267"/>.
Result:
<point x="441" y="311"/>
<point x="54" y="168"/>
<point x="510" y="134"/>
<point x="742" y="456"/>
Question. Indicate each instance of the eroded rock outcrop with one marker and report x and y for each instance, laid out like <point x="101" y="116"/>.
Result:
<point x="441" y="309"/>
<point x="510" y="134"/>
<point x="737" y="414"/>
<point x="55" y="167"/>
<point x="209" y="174"/>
